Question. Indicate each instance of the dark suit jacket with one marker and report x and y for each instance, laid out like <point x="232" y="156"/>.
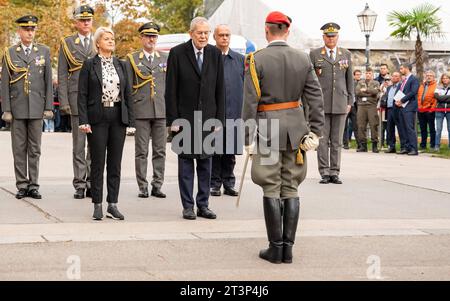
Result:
<point x="189" y="90"/>
<point x="410" y="90"/>
<point x="90" y="105"/>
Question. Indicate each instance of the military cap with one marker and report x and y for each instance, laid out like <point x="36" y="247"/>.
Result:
<point x="277" y="17"/>
<point x="27" y="21"/>
<point x="83" y="12"/>
<point x="149" y="29"/>
<point x="330" y="29"/>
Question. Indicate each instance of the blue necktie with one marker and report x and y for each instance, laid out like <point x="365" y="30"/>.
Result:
<point x="199" y="60"/>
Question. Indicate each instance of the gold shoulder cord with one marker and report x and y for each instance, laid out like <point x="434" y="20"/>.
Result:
<point x="146" y="78"/>
<point x="73" y="63"/>
<point x="254" y="75"/>
<point x="14" y="69"/>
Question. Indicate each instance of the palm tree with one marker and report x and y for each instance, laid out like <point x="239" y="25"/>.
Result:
<point x="421" y="21"/>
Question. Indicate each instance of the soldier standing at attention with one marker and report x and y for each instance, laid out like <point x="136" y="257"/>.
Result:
<point x="74" y="50"/>
<point x="27" y="98"/>
<point x="279" y="81"/>
<point x="147" y="70"/>
<point x="333" y="66"/>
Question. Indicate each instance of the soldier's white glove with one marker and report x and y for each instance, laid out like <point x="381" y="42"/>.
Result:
<point x="48" y="114"/>
<point x="7" y="117"/>
<point x="65" y="109"/>
<point x="309" y="142"/>
<point x="250" y="149"/>
<point x="131" y="131"/>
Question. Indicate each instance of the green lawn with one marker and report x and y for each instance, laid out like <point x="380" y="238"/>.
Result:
<point x="444" y="152"/>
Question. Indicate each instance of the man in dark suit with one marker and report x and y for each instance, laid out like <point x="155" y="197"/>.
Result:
<point x="223" y="164"/>
<point x="392" y="114"/>
<point x="408" y="109"/>
<point x="194" y="93"/>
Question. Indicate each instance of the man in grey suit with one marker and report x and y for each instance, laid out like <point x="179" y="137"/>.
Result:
<point x="147" y="70"/>
<point x="27" y="98"/>
<point x="279" y="82"/>
<point x="333" y="66"/>
<point x="74" y="50"/>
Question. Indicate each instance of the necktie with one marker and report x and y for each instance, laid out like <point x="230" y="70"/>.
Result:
<point x="86" y="44"/>
<point x="403" y="85"/>
<point x="199" y="60"/>
<point x="332" y="54"/>
<point x="150" y="59"/>
<point x="27" y="52"/>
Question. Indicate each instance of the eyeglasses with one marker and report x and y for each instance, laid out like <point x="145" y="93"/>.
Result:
<point x="224" y="35"/>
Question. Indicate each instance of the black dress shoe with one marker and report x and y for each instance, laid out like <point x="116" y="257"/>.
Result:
<point x="79" y="194"/>
<point x="98" y="212"/>
<point x="21" y="193"/>
<point x="215" y="192"/>
<point x="156" y="192"/>
<point x="34" y="193"/>
<point x="189" y="213"/>
<point x="113" y="212"/>
<point x="88" y="193"/>
<point x="335" y="180"/>
<point x="143" y="193"/>
<point x="413" y="153"/>
<point x="206" y="213"/>
<point x="325" y="180"/>
<point x="346" y="147"/>
<point x="231" y="191"/>
<point x="403" y="152"/>
<point x="390" y="151"/>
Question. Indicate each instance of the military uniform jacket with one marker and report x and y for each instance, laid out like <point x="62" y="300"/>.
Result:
<point x="68" y="81"/>
<point x="148" y="95"/>
<point x="27" y="88"/>
<point x="336" y="79"/>
<point x="285" y="75"/>
<point x="370" y="96"/>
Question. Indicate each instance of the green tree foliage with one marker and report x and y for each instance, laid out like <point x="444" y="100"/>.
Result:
<point x="421" y="22"/>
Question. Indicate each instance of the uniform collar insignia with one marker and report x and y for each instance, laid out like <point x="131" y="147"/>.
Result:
<point x="35" y="48"/>
<point x="18" y="48"/>
<point x="141" y="55"/>
<point x="324" y="51"/>
<point x="156" y="54"/>
<point x="77" y="41"/>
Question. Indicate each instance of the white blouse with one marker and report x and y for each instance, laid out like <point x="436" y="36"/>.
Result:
<point x="111" y="81"/>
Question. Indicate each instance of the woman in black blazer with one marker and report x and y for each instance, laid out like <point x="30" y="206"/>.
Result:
<point x="105" y="108"/>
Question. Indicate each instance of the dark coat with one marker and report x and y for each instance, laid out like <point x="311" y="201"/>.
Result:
<point x="188" y="90"/>
<point x="410" y="90"/>
<point x="90" y="89"/>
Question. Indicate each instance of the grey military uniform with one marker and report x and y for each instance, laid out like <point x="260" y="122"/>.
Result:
<point x="285" y="75"/>
<point x="150" y="114"/>
<point x="336" y="80"/>
<point x="67" y="95"/>
<point x="26" y="92"/>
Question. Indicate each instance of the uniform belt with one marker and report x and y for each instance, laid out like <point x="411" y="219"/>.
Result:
<point x="110" y="104"/>
<point x="279" y="106"/>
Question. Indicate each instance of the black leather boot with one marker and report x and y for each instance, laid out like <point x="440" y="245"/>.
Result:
<point x="291" y="210"/>
<point x="362" y="148"/>
<point x="273" y="218"/>
<point x="375" y="147"/>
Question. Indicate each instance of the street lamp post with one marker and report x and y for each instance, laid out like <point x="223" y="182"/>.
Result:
<point x="367" y="19"/>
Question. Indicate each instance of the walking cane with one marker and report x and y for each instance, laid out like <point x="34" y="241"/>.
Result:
<point x="242" y="179"/>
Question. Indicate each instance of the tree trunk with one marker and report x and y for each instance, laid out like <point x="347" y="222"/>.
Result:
<point x="419" y="58"/>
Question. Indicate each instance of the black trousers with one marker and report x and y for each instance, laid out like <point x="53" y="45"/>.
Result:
<point x="408" y="122"/>
<point x="106" y="144"/>
<point x="426" y="120"/>
<point x="223" y="171"/>
<point x="186" y="181"/>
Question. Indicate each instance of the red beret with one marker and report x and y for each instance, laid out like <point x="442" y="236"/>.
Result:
<point x="277" y="17"/>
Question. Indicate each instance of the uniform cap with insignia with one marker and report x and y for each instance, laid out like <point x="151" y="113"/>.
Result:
<point x="149" y="29"/>
<point x="277" y="17"/>
<point x="83" y="12"/>
<point x="330" y="29"/>
<point x="27" y="21"/>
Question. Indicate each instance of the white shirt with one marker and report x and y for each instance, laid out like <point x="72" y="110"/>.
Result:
<point x="149" y="55"/>
<point x="197" y="50"/>
<point x="25" y="47"/>
<point x="83" y="37"/>
<point x="334" y="52"/>
<point x="276" y="41"/>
